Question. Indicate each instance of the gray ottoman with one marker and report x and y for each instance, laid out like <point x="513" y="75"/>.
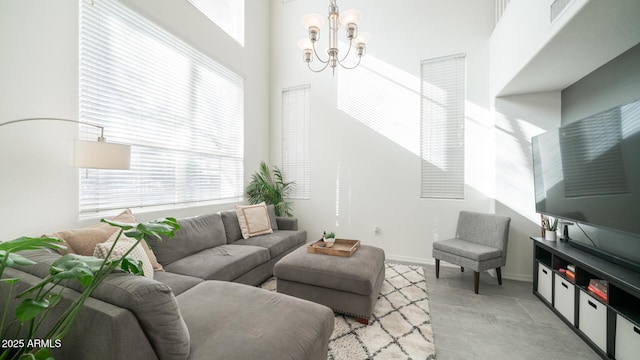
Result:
<point x="348" y="285"/>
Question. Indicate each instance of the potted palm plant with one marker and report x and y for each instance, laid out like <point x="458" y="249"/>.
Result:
<point x="269" y="186"/>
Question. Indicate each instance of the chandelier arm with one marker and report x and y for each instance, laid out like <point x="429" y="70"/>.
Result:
<point x="348" y="51"/>
<point x="353" y="67"/>
<point x="318" y="56"/>
<point x="320" y="70"/>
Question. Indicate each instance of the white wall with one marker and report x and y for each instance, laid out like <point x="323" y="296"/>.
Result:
<point x="39" y="72"/>
<point x="518" y="118"/>
<point x="521" y="34"/>
<point x="365" y="166"/>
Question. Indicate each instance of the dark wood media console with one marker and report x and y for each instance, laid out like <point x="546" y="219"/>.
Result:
<point x="610" y="326"/>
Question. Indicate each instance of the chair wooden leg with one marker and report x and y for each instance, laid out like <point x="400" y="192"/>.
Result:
<point x="461" y="269"/>
<point x="437" y="268"/>
<point x="499" y="273"/>
<point x="476" y="281"/>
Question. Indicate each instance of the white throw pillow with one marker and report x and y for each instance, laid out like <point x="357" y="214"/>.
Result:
<point x="254" y="220"/>
<point x="124" y="244"/>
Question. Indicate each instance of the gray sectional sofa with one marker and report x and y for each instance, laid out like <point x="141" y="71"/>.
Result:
<point x="200" y="307"/>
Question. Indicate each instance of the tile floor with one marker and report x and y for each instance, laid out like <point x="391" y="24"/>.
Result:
<point x="501" y="322"/>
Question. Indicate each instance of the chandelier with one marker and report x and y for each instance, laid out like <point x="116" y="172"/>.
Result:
<point x="349" y="20"/>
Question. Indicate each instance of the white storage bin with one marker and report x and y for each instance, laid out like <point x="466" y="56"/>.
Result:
<point x="592" y="315"/>
<point x="544" y="282"/>
<point x="627" y="339"/>
<point x="564" y="298"/>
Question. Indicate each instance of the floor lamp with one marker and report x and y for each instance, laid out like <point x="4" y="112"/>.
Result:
<point x="92" y="154"/>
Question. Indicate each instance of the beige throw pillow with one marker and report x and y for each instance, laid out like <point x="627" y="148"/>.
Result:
<point x="83" y="241"/>
<point x="254" y="220"/>
<point x="122" y="246"/>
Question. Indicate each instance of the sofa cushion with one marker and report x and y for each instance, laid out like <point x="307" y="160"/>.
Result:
<point x="196" y="234"/>
<point x="245" y="322"/>
<point x="231" y="225"/>
<point x="279" y="242"/>
<point x="225" y="262"/>
<point x="156" y="308"/>
<point x="254" y="220"/>
<point x="177" y="282"/>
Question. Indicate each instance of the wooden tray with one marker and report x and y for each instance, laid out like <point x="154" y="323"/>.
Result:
<point x="341" y="247"/>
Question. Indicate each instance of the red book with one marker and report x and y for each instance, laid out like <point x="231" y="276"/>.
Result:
<point x="601" y="285"/>
<point x="597" y="292"/>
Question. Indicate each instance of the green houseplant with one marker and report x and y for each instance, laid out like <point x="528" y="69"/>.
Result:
<point x="37" y="301"/>
<point x="550" y="228"/>
<point x="269" y="186"/>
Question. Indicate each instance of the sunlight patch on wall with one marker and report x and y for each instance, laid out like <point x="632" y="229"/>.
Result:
<point x="480" y="149"/>
<point x="514" y="167"/>
<point x="384" y="98"/>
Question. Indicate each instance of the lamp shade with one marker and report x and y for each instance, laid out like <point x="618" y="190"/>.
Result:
<point x="304" y="44"/>
<point x="351" y="16"/>
<point x="312" y="20"/>
<point x="100" y="155"/>
<point x="362" y="38"/>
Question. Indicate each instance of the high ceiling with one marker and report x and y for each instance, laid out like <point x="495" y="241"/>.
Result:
<point x="596" y="35"/>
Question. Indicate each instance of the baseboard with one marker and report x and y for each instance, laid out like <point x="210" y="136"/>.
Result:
<point x="424" y="261"/>
<point x="408" y="260"/>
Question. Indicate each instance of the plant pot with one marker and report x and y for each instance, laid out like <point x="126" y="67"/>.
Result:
<point x="550" y="235"/>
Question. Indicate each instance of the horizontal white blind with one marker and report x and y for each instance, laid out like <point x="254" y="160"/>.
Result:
<point x="592" y="158"/>
<point x="296" y="120"/>
<point x="227" y="14"/>
<point x="182" y="113"/>
<point x="442" y="94"/>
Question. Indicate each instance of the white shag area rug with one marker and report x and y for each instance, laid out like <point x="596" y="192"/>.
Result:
<point x="400" y="327"/>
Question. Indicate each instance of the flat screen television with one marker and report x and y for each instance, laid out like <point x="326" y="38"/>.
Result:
<point x="588" y="172"/>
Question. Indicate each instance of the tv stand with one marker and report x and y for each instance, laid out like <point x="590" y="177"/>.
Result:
<point x="605" y="255"/>
<point x="611" y="325"/>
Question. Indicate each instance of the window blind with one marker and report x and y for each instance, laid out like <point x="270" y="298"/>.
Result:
<point x="296" y="120"/>
<point x="442" y="94"/>
<point x="182" y="113"/>
<point x="227" y="14"/>
<point x="592" y="158"/>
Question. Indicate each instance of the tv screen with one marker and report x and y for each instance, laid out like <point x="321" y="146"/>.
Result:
<point x="589" y="171"/>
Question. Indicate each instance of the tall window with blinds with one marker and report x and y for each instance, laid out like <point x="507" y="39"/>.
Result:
<point x="182" y="113"/>
<point x="296" y="120"/>
<point x="442" y="94"/>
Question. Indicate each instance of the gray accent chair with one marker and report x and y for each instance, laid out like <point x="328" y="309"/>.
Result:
<point x="480" y="244"/>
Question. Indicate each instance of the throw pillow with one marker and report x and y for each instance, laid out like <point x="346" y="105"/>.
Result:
<point x="122" y="246"/>
<point x="254" y="220"/>
<point x="83" y="241"/>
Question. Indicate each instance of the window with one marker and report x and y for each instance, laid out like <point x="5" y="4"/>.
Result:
<point x="227" y="14"/>
<point x="296" y="118"/>
<point x="442" y="97"/>
<point x="182" y="113"/>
